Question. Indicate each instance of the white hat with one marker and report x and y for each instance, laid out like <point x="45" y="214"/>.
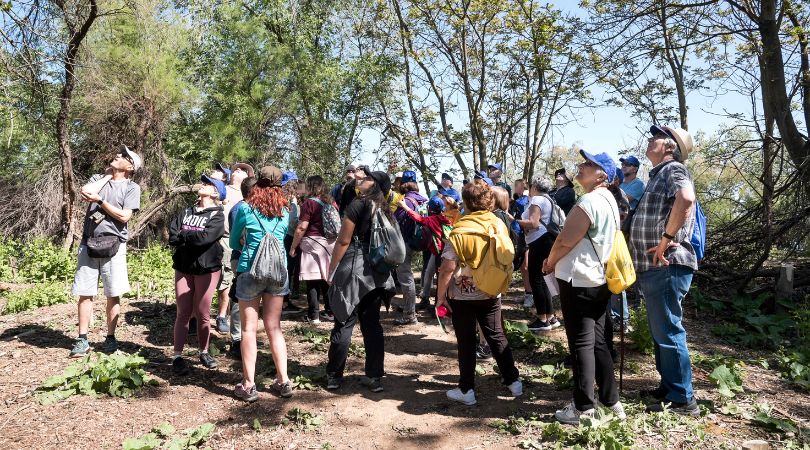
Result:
<point x="137" y="162"/>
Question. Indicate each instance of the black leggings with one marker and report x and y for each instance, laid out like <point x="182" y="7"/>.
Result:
<point x="584" y="313"/>
<point x="367" y="312"/>
<point x="315" y="289"/>
<point x="539" y="250"/>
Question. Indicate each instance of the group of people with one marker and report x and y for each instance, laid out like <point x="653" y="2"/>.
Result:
<point x="246" y="224"/>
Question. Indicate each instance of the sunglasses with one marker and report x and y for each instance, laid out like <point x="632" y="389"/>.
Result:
<point x="125" y="156"/>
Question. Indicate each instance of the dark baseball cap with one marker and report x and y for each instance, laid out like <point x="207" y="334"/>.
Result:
<point x="446" y="176"/>
<point x="630" y="161"/>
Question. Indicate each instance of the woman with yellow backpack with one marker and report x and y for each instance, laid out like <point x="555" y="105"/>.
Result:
<point x="476" y="269"/>
<point x="577" y="260"/>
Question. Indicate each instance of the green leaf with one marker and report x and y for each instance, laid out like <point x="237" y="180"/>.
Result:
<point x="148" y="441"/>
<point x="728" y="381"/>
<point x="164" y="429"/>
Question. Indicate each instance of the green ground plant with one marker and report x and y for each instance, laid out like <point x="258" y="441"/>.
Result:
<point x="8" y="257"/>
<point x="726" y="372"/>
<point x="117" y="375"/>
<point x="164" y="436"/>
<point x="37" y="296"/>
<point x="39" y="260"/>
<point x="300" y="419"/>
<point x="519" y="336"/>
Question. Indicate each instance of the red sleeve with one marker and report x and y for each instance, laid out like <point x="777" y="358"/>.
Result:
<point x="418" y="218"/>
<point x="307" y="209"/>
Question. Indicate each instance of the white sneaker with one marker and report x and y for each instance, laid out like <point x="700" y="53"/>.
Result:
<point x="516" y="388"/>
<point x="528" y="301"/>
<point x="570" y="415"/>
<point x="618" y="410"/>
<point x="457" y="396"/>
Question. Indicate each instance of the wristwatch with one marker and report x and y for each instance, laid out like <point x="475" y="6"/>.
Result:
<point x="100" y="202"/>
<point x="668" y="236"/>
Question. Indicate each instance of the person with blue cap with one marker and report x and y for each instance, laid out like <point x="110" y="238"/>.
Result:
<point x="631" y="184"/>
<point x="576" y="260"/>
<point x="482" y="175"/>
<point x="221" y="172"/>
<point x="446" y="188"/>
<point x="197" y="261"/>
<point x="495" y="173"/>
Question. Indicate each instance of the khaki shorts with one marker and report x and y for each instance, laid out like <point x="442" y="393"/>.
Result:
<point x="227" y="274"/>
<point x="113" y="272"/>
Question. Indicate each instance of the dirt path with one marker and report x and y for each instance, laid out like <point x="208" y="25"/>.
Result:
<point x="412" y="412"/>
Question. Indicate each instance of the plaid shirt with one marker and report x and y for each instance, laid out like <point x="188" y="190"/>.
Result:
<point x="652" y="214"/>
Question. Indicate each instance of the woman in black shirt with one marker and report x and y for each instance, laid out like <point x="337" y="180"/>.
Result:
<point x="356" y="288"/>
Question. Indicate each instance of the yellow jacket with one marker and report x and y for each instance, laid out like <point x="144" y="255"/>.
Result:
<point x="481" y="241"/>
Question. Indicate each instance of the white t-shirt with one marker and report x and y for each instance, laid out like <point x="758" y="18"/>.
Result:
<point x="542" y="202"/>
<point x="581" y="266"/>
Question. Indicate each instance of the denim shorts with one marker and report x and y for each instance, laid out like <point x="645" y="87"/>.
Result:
<point x="248" y="288"/>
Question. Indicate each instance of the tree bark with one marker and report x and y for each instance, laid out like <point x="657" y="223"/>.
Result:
<point x="78" y="31"/>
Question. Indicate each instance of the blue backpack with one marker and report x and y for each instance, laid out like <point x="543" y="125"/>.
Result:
<point x="699" y="234"/>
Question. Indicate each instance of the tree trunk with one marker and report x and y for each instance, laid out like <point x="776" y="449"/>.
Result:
<point x="775" y="99"/>
<point x="63" y="116"/>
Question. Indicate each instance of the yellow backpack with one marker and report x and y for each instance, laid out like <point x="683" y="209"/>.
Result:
<point x="619" y="270"/>
<point x="484" y="246"/>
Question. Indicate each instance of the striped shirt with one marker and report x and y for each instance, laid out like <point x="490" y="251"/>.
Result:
<point x="652" y="214"/>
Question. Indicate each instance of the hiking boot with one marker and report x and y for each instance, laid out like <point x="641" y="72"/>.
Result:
<point x="467" y="398"/>
<point x="618" y="411"/>
<point x="658" y="393"/>
<point x="192" y="326"/>
<point x="328" y="316"/>
<point x="516" y="388"/>
<point x="291" y="309"/>
<point x="247" y="394"/>
<point x="540" y="325"/>
<point x="208" y="361"/>
<point x="406" y="320"/>
<point x="180" y="366"/>
<point x="554" y="323"/>
<point x="235" y="351"/>
<point x="423" y="305"/>
<point x="570" y="415"/>
<point x="482" y="351"/>
<point x="284" y="390"/>
<point x="528" y="301"/>
<point x="110" y="345"/>
<point x="80" y="348"/>
<point x="333" y="382"/>
<point x="372" y="383"/>
<point x="316" y="319"/>
<point x="222" y="325"/>
<point x="689" y="408"/>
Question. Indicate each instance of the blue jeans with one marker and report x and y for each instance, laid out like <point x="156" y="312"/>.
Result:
<point x="664" y="289"/>
<point x="617" y="304"/>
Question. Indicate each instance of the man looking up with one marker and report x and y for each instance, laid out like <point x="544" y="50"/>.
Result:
<point x="239" y="172"/>
<point x="447" y="188"/>
<point x="632" y="186"/>
<point x="664" y="259"/>
<point x="495" y="172"/>
<point x="112" y="199"/>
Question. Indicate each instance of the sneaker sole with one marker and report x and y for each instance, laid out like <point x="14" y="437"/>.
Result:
<point x="463" y="402"/>
<point x="79" y="355"/>
<point x="566" y="421"/>
<point x="541" y="329"/>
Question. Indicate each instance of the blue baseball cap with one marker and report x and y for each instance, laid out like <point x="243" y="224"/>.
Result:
<point x="630" y="161"/>
<point x="481" y="175"/>
<point x="288" y="176"/>
<point x="620" y="174"/>
<point x="436" y="204"/>
<point x="602" y="160"/>
<point x="217" y="184"/>
<point x="409" y="176"/>
<point x="221" y="167"/>
<point x="446" y="176"/>
<point x="496" y="166"/>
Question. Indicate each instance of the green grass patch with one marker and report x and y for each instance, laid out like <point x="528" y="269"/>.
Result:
<point x="37" y="296"/>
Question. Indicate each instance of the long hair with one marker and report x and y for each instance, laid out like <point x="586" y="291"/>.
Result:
<point x="290" y="190"/>
<point x="269" y="200"/>
<point x="317" y="188"/>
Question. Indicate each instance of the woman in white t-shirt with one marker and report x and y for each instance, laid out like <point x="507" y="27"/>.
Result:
<point x="577" y="259"/>
<point x="534" y="219"/>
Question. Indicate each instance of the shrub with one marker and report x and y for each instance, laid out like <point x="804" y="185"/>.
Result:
<point x="8" y="254"/>
<point x="44" y="294"/>
<point x="640" y="333"/>
<point x="152" y="268"/>
<point x="41" y="260"/>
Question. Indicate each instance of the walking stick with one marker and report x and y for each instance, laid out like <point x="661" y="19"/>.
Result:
<point x="621" y="341"/>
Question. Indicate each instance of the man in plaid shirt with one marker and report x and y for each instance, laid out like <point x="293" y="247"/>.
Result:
<point x="664" y="259"/>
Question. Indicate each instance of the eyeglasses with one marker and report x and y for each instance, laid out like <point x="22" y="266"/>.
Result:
<point x="658" y="136"/>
